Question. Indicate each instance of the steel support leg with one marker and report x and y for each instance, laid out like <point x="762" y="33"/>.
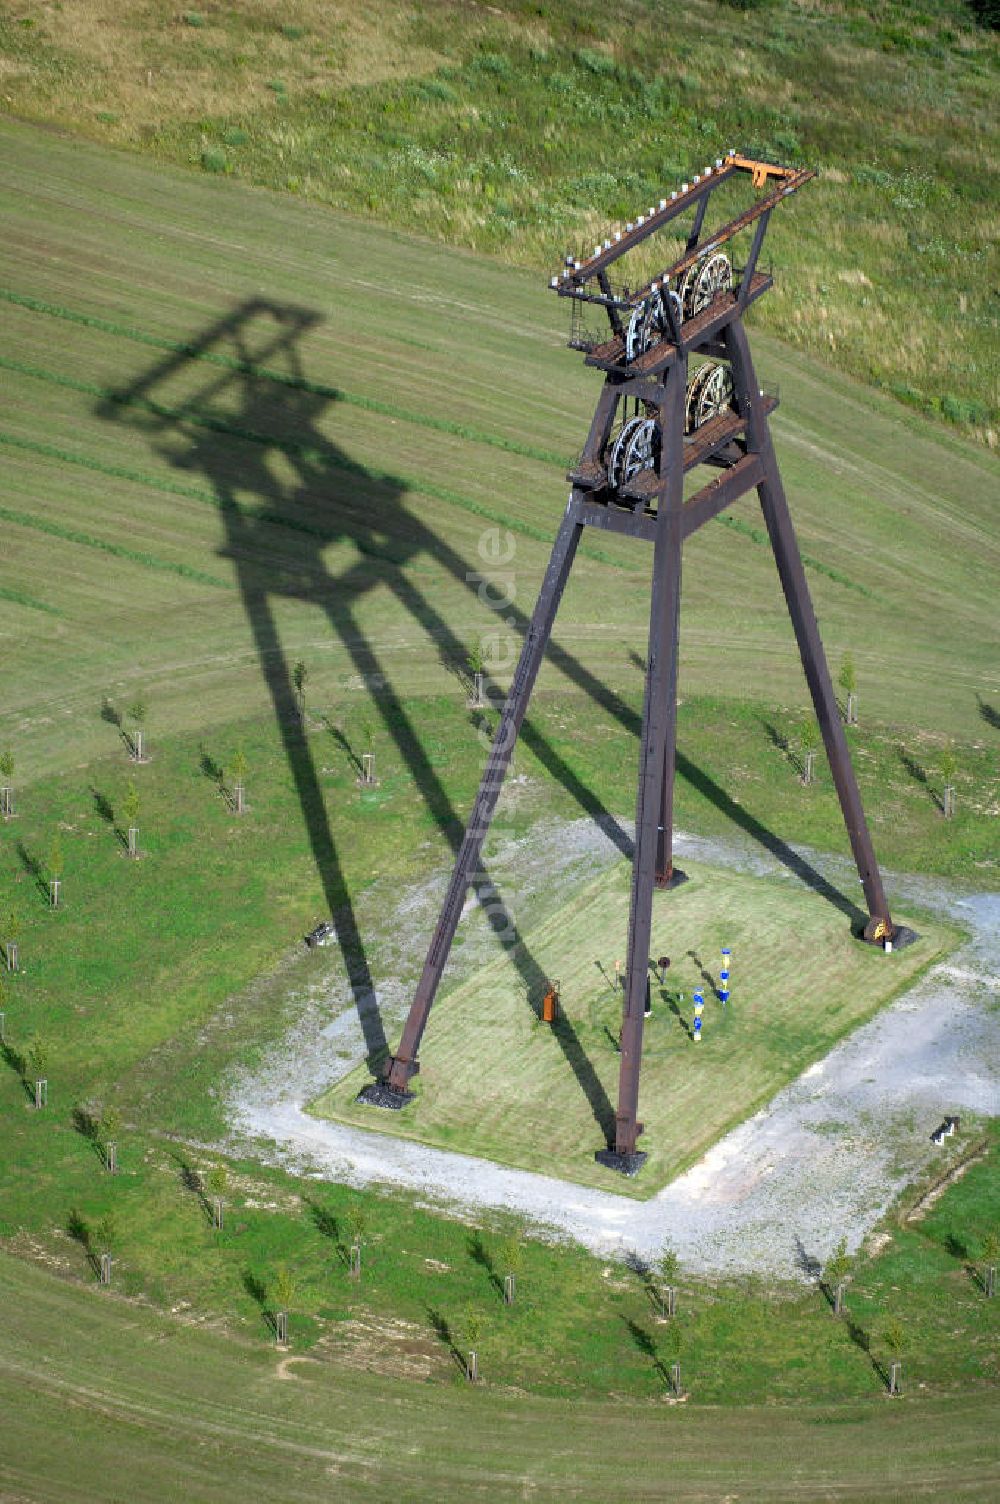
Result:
<point x="800" y="608"/>
<point x="392" y="1091"/>
<point x="666" y="874"/>
<point x="658" y="731"/>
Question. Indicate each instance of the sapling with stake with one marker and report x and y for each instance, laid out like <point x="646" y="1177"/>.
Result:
<point x="130" y="809"/>
<point x="511" y="1256"/>
<point x="36" y="1060"/>
<point x="947" y="764"/>
<point x="110" y="1126"/>
<point x="368" y="756"/>
<point x="475" y="661"/>
<point x="809" y="741"/>
<point x="991" y="1257"/>
<point x="218" y="1180"/>
<point x="837" y="1268"/>
<point x="55" y="871"/>
<point x="284" y="1294"/>
<point x="105" y="1235"/>
<point x="299" y="676"/>
<point x="472" y="1328"/>
<point x="12" y="930"/>
<point x="894" y="1336"/>
<point x="848" y="681"/>
<point x="238" y="772"/>
<point x="6" y="783"/>
<point x="357" y="1223"/>
<point x="137" y="714"/>
<point x="667" y="1267"/>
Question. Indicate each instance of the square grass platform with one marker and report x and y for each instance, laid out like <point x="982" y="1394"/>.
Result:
<point x="496" y="1082"/>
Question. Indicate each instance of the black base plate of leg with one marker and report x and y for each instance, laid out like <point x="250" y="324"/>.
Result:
<point x="625" y="1164"/>
<point x="378" y="1094"/>
<point x="673" y="881"/>
<point x="903" y="937"/>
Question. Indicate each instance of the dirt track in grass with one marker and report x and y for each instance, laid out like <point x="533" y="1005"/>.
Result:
<point x="823" y="1159"/>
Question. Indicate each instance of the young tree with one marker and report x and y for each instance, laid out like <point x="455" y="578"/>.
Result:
<point x="6" y="783"/>
<point x="368" y="756"/>
<point x="848" y="681"/>
<point x="106" y="1232"/>
<point x="511" y="1253"/>
<point x="36" y="1056"/>
<point x="991" y="1257"/>
<point x="894" y="1337"/>
<point x="130" y="809"/>
<point x="299" y="676"/>
<point x="36" y="1065"/>
<point x="284" y="1294"/>
<point x="808" y="741"/>
<point x="474" y="659"/>
<point x="472" y="1330"/>
<point x="948" y="766"/>
<point x="672" y="1351"/>
<point x="110" y="1126"/>
<point x="105" y="1237"/>
<point x="238" y="773"/>
<point x="218" y="1180"/>
<point x="137" y="714"/>
<point x="357" y="1224"/>
<point x="837" y="1268"/>
<point x="666" y="1268"/>
<point x="55" y="870"/>
<point x="12" y="930"/>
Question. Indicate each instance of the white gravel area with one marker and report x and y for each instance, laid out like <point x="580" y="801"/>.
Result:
<point x="824" y="1159"/>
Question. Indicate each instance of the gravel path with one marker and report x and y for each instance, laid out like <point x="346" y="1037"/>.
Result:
<point x="824" y="1159"/>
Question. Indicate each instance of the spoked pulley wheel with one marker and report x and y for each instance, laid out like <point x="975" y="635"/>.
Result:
<point x="716" y="393"/>
<point x="636" y="448"/>
<point x="644" y="327"/>
<point x="709" y="393"/>
<point x="715" y="276"/>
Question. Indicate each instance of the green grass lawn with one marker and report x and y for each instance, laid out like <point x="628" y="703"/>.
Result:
<point x="782" y="1396"/>
<point x="185" y="520"/>
<point x="496" y="1081"/>
<point x="521" y="130"/>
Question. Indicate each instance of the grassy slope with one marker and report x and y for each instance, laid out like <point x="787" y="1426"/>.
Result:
<point x="520" y="129"/>
<point x="94" y="232"/>
<point x="94" y="236"/>
<point x="451" y="341"/>
<point x="186" y="1420"/>
<point x="802" y="984"/>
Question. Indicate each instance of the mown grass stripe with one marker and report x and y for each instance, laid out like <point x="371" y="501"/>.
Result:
<point x="758" y="536"/>
<point x="21" y="598"/>
<point x="300" y="383"/>
<point x="311" y="452"/>
<point x="87" y="540"/>
<point x="329" y="457"/>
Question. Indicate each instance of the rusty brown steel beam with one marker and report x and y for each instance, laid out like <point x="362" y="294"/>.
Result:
<point x="610" y="519"/>
<point x="704" y="327"/>
<point x="673" y="206"/>
<point x="575" y="282"/>
<point x="791" y="572"/>
<point x="722" y="492"/>
<point x="393" y="1090"/>
<point x="659" y="721"/>
<point x="722" y="236"/>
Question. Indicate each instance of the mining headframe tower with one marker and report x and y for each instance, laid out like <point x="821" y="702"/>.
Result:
<point x="680" y="391"/>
